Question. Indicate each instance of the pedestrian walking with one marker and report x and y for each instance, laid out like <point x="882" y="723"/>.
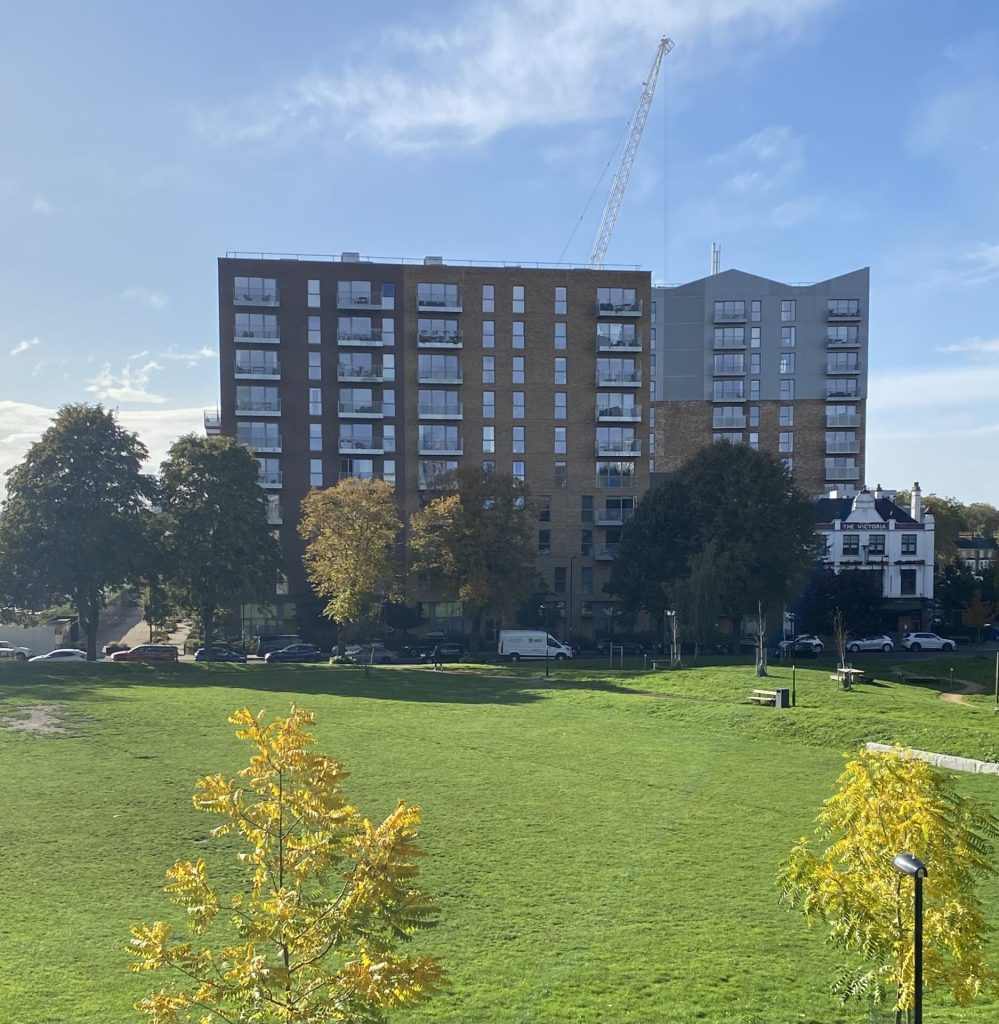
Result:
<point x="438" y="664"/>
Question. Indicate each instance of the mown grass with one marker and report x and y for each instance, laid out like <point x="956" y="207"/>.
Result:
<point x="603" y="843"/>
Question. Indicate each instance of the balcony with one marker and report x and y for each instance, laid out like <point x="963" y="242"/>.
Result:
<point x="256" y="297"/>
<point x="439" y="339"/>
<point x="842" y="447"/>
<point x="360" y="446"/>
<point x="452" y="305"/>
<point x="261" y="337"/>
<point x="844" y="313"/>
<point x="365" y="476"/>
<point x="445" y="411"/>
<point x="369" y="374"/>
<point x="615" y="343"/>
<point x="728" y="423"/>
<point x="615" y="483"/>
<point x="619" y="413"/>
<point x="436" y="447"/>
<point x="260" y="442"/>
<point x="258" y="371"/>
<point x="843" y="473"/>
<point x="619" y="308"/>
<point x="427" y="481"/>
<point x="729" y="344"/>
<point x="838" y="391"/>
<point x="358" y="300"/>
<point x="834" y="342"/>
<point x="731" y="316"/>
<point x="368" y="337"/>
<point x="274" y="516"/>
<point x="613" y="449"/>
<point x="619" y="378"/>
<point x="213" y="422"/>
<point x="843" y="419"/>
<point x="360" y="410"/>
<point x="258" y="408"/>
<point x="439" y="376"/>
<point x="271" y="481"/>
<point x="835" y="369"/>
<point x="605" y="552"/>
<point x="612" y="516"/>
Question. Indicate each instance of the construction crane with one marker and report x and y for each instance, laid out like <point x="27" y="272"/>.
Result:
<point x="635" y="128"/>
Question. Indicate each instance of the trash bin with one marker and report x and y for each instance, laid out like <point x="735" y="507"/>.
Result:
<point x="783" y="698"/>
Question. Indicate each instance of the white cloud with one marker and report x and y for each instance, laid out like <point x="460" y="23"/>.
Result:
<point x="130" y="385"/>
<point x="952" y="128"/>
<point x="981" y="263"/>
<point x="765" y="161"/>
<point x="23" y="345"/>
<point x="972" y="345"/>
<point x="499" y="66"/>
<point x="41" y="205"/>
<point x="148" y="296"/>
<point x="190" y="358"/>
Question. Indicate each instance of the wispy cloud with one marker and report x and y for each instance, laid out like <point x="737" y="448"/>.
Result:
<point x="131" y="384"/>
<point x="41" y="205"/>
<point x="147" y="296"/>
<point x="23" y="345"/>
<point x="972" y="345"/>
<point x="190" y="358"/>
<point x="498" y="66"/>
<point x="765" y="161"/>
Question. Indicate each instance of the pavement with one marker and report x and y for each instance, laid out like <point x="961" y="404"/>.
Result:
<point x="129" y="628"/>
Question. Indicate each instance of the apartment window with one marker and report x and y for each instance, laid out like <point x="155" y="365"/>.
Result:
<point x="787" y="390"/>
<point x="488" y="333"/>
<point x="786" y="415"/>
<point x="754" y="362"/>
<point x="256" y="325"/>
<point x="315" y="472"/>
<point x="315" y="332"/>
<point x="315" y="401"/>
<point x="851" y="545"/>
<point x="488" y="369"/>
<point x="437" y="437"/>
<point x="388" y="401"/>
<point x="488" y="439"/>
<point x="560" y="443"/>
<point x="488" y="466"/>
<point x="843" y="334"/>
<point x="842" y="362"/>
<point x="544" y="508"/>
<point x="313" y="294"/>
<point x="561" y="475"/>
<point x="586" y="579"/>
<point x="560" y="302"/>
<point x="787" y="337"/>
<point x="388" y="331"/>
<point x="518" y="299"/>
<point x="730" y="310"/>
<point x="786" y="364"/>
<point x="560" y="371"/>
<point x="315" y="366"/>
<point x="436" y="329"/>
<point x="388" y="366"/>
<point x="729" y="390"/>
<point x="262" y="434"/>
<point x="269" y="471"/>
<point x="613" y="475"/>
<point x="787" y="309"/>
<point x="909" y="542"/>
<point x="560" y="336"/>
<point x="388" y="296"/>
<point x="586" y="542"/>
<point x="729" y="363"/>
<point x="441" y="295"/>
<point x="518" y="471"/>
<point x="729" y="337"/>
<point x="388" y="471"/>
<point x="754" y="415"/>
<point x="438" y="367"/>
<point x="754" y="337"/>
<point x="754" y="389"/>
<point x="876" y="544"/>
<point x="315" y="437"/>
<point x="388" y="436"/>
<point x="844" y="307"/>
<point x="488" y="298"/>
<point x="841" y="416"/>
<point x="755" y="310"/>
<point x="586" y="508"/>
<point x="558" y="580"/>
<point x="788" y="463"/>
<point x="517" y="370"/>
<point x="732" y="437"/>
<point x="560" y="405"/>
<point x="907" y="582"/>
<point x="727" y="416"/>
<point x="785" y="441"/>
<point x="843" y="387"/>
<point x="518" y="440"/>
<point x="518" y="333"/>
<point x="258" y="361"/>
<point x="613" y="300"/>
<point x="256" y="290"/>
<point x="488" y="405"/>
<point x="544" y="542"/>
<point x="841" y="441"/>
<point x="518" y="405"/>
<point x="754" y="441"/>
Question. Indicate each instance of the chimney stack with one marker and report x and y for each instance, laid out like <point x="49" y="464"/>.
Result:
<point x="916" y="503"/>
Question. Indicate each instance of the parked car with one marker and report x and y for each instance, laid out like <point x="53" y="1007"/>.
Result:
<point x="62" y="654"/>
<point x="295" y="652"/>
<point x="787" y="648"/>
<point x="9" y="650"/>
<point x="809" y="640"/>
<point x="876" y="642"/>
<point x="630" y="648"/>
<point x="147" y="652"/>
<point x="424" y="645"/>
<point x="927" y="642"/>
<point x="268" y="642"/>
<point x="220" y="653"/>
<point x="373" y="654"/>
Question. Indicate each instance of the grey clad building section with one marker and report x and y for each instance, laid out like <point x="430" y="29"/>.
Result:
<point x="781" y="367"/>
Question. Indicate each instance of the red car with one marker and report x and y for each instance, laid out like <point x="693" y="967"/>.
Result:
<point x="147" y="652"/>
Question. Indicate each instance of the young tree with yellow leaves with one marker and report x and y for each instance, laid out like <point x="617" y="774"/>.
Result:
<point x="885" y="804"/>
<point x="329" y="897"/>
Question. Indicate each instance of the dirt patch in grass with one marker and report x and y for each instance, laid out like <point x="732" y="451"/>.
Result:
<point x="38" y="720"/>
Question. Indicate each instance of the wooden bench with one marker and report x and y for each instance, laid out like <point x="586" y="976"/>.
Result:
<point x="763" y="697"/>
<point x="848" y="677"/>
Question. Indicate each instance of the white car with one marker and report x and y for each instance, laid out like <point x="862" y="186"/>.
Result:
<point x="9" y="650"/>
<point x="809" y="640"/>
<point x="875" y="642"/>
<point x="927" y="642"/>
<point x="63" y="654"/>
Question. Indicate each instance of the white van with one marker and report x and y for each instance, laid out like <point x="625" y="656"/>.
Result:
<point x="531" y="643"/>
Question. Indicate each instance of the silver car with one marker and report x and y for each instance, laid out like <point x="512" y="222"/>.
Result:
<point x="875" y="642"/>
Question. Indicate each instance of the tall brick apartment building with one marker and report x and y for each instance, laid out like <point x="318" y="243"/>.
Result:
<point x="343" y="366"/>
<point x="780" y="367"/>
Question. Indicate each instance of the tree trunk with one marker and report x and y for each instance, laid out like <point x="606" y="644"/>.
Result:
<point x="207" y="617"/>
<point x="88" y="610"/>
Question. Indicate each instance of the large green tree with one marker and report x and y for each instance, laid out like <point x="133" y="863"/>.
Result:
<point x="729" y="507"/>
<point x="476" y="538"/>
<point x="855" y="593"/>
<point x="219" y="546"/>
<point x="71" y="526"/>
<point x="350" y="532"/>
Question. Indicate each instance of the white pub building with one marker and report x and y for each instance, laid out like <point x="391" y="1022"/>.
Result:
<point x="868" y="531"/>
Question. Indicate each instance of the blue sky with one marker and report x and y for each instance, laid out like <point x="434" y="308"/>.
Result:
<point x="808" y="137"/>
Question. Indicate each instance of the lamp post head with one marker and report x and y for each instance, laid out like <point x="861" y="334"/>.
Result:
<point x="910" y="865"/>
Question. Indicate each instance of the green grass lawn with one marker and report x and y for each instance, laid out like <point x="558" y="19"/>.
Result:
<point x="603" y="844"/>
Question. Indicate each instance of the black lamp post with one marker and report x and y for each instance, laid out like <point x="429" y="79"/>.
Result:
<point x="909" y="865"/>
<point x="544" y="609"/>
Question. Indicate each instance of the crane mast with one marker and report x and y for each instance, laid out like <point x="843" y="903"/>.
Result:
<point x="635" y="128"/>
